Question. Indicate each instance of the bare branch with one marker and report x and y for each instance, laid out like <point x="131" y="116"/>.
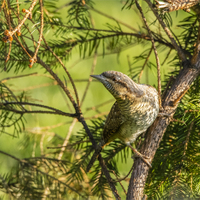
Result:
<point x="155" y="52"/>
<point x="56" y="111"/>
<point x="178" y="49"/>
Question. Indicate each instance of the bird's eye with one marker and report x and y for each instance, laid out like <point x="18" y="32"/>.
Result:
<point x="113" y="79"/>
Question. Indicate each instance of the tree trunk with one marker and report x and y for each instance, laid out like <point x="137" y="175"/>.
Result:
<point x="155" y="133"/>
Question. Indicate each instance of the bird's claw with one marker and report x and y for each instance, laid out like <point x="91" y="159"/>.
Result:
<point x="144" y="158"/>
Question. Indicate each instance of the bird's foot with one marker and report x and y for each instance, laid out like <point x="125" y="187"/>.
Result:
<point x="139" y="156"/>
<point x="143" y="157"/>
<point x="146" y="159"/>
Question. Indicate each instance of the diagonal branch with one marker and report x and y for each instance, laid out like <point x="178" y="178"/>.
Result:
<point x="155" y="51"/>
<point x="112" y="18"/>
<point x="54" y="110"/>
<point x="169" y="34"/>
<point x="145" y="62"/>
<point x="82" y="121"/>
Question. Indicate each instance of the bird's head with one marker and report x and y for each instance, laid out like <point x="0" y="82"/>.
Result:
<point x="119" y="84"/>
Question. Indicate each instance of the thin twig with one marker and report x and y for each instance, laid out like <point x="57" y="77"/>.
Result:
<point x="9" y="51"/>
<point x="155" y="51"/>
<point x="97" y="116"/>
<point x="33" y="60"/>
<point x="14" y="77"/>
<point x="169" y="34"/>
<point x="54" y="75"/>
<point x="25" y="17"/>
<point x="109" y="179"/>
<point x="19" y="20"/>
<point x="37" y="86"/>
<point x="187" y="138"/>
<point x="167" y="56"/>
<point x="90" y="78"/>
<point x="129" y="63"/>
<point x="10" y="33"/>
<point x="13" y="95"/>
<point x="65" y="99"/>
<point x="75" y="120"/>
<point x="146" y="60"/>
<point x="22" y="46"/>
<point x="67" y="139"/>
<point x="56" y="111"/>
<point x="100" y="105"/>
<point x="118" y="181"/>
<point x="70" y="145"/>
<point x="121" y="179"/>
<point x="110" y="17"/>
<point x="76" y="106"/>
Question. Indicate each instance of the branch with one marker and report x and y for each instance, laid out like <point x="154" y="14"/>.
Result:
<point x="56" y="111"/>
<point x="155" y="51"/>
<point x="13" y="77"/>
<point x="110" y="17"/>
<point x="155" y="133"/>
<point x="81" y="120"/>
<point x="101" y="161"/>
<point x="145" y="62"/>
<point x="117" y="33"/>
<point x="169" y="34"/>
<point x="33" y="59"/>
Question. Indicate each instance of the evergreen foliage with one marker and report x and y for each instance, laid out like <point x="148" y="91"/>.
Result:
<point x="57" y="173"/>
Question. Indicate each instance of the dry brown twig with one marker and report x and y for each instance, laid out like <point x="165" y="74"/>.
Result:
<point x="34" y="58"/>
<point x="167" y="31"/>
<point x="145" y="62"/>
<point x="9" y="33"/>
<point x="14" y="77"/>
<point x="155" y="51"/>
<point x="75" y="120"/>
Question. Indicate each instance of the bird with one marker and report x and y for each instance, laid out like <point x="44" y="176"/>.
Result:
<point x="135" y="109"/>
<point x="172" y="5"/>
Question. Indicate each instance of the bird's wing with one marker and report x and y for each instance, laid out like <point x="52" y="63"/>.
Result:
<point x="111" y="127"/>
<point x="112" y="124"/>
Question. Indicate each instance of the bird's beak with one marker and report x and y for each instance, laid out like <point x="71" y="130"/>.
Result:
<point x="98" y="77"/>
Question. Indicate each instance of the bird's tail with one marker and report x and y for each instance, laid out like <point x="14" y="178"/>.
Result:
<point x="95" y="155"/>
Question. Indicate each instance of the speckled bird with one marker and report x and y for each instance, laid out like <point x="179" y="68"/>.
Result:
<point x="135" y="109"/>
<point x="172" y="5"/>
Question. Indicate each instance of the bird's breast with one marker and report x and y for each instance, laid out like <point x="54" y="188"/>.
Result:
<point x="138" y="117"/>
